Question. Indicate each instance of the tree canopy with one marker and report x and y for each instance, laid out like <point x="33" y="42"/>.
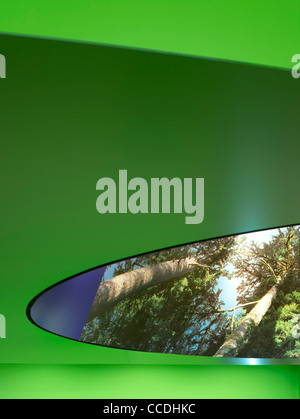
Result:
<point x="186" y="314"/>
<point x="261" y="267"/>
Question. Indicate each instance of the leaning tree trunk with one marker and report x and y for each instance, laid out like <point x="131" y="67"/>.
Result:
<point x="239" y="337"/>
<point x="125" y="285"/>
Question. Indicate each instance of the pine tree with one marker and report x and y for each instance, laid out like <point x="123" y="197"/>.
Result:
<point x="269" y="275"/>
<point x="175" y="315"/>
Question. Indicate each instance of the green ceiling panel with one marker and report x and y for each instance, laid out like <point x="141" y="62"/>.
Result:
<point x="254" y="31"/>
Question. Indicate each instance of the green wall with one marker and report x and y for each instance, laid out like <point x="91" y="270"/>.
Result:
<point x="262" y="32"/>
<point x="74" y="112"/>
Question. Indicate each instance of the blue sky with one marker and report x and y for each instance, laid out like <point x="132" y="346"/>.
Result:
<point x="228" y="287"/>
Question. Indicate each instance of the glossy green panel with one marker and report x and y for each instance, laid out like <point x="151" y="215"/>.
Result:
<point x="148" y="382"/>
<point x="254" y="31"/>
<point x="73" y="113"/>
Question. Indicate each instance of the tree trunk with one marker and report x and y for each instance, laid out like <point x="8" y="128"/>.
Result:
<point x="125" y="285"/>
<point x="239" y="337"/>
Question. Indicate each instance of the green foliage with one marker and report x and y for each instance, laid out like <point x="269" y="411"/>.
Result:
<point x="164" y="318"/>
<point x="178" y="316"/>
<point x="273" y="338"/>
<point x="262" y="267"/>
<point x="183" y="315"/>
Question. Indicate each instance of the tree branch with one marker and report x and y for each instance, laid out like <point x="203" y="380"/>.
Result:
<point x="236" y="307"/>
<point x="270" y="267"/>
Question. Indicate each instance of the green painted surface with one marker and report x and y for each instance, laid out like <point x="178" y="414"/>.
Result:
<point x="261" y="32"/>
<point x="78" y="113"/>
<point x="62" y="129"/>
<point x="149" y="382"/>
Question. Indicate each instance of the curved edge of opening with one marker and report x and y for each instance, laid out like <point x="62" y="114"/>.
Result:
<point x="68" y="306"/>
